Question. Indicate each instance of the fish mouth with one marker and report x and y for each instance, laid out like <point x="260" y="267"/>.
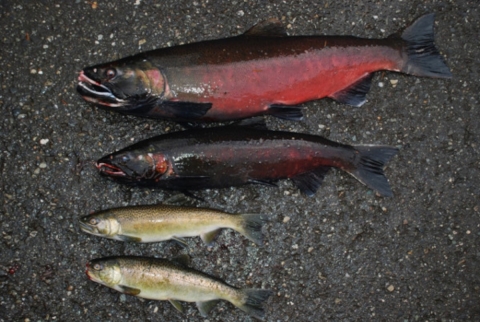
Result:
<point x="87" y="271"/>
<point x="97" y="93"/>
<point x="110" y="170"/>
<point x="86" y="228"/>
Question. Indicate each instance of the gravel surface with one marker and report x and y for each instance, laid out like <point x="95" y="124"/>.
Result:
<point x="345" y="254"/>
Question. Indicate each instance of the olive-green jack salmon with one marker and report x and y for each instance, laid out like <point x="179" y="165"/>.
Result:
<point x="154" y="223"/>
<point x="160" y="279"/>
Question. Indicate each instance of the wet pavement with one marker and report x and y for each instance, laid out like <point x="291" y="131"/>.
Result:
<point x="345" y="254"/>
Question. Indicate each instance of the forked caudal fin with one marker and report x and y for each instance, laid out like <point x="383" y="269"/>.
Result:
<point x="254" y="301"/>
<point x="252" y="227"/>
<point x="369" y="167"/>
<point x="423" y="57"/>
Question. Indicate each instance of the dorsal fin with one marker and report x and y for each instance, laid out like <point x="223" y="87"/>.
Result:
<point x="268" y="28"/>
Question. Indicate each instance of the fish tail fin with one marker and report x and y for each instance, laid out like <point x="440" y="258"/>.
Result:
<point x="253" y="302"/>
<point x="424" y="58"/>
<point x="251" y="227"/>
<point x="369" y="167"/>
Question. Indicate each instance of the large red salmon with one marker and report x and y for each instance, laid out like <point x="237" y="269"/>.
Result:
<point x="260" y="72"/>
<point x="236" y="155"/>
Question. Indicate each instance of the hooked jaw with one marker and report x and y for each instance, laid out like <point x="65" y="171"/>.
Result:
<point x="110" y="170"/>
<point x="97" y="93"/>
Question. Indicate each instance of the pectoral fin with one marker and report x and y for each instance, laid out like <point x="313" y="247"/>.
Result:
<point x="126" y="238"/>
<point x="176" y="304"/>
<point x="268" y="183"/>
<point x="128" y="290"/>
<point x="286" y="112"/>
<point x="186" y="110"/>
<point x="210" y="236"/>
<point x="206" y="307"/>
<point x="181" y="241"/>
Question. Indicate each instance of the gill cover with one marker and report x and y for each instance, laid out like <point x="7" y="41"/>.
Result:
<point x="105" y="271"/>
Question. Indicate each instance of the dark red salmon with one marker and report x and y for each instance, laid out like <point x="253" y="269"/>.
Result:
<point x="260" y="72"/>
<point x="237" y="155"/>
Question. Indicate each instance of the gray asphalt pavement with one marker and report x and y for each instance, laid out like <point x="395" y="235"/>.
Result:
<point x="343" y="255"/>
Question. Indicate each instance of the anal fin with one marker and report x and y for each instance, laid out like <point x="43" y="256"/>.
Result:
<point x="206" y="307"/>
<point x="309" y="182"/>
<point x="354" y="94"/>
<point x="210" y="236"/>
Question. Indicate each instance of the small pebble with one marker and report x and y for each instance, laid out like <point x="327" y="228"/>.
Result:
<point x="391" y="288"/>
<point x="310" y="249"/>
<point x="44" y="141"/>
<point x="100" y="37"/>
<point x="381" y="84"/>
<point x="286" y="219"/>
<point x="240" y="13"/>
<point x="123" y="298"/>
<point x="141" y="42"/>
<point x="42" y="165"/>
<point x="33" y="71"/>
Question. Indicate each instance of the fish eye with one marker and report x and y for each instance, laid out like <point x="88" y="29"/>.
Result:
<point x="93" y="221"/>
<point x="110" y="73"/>
<point x="97" y="267"/>
<point x="125" y="158"/>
